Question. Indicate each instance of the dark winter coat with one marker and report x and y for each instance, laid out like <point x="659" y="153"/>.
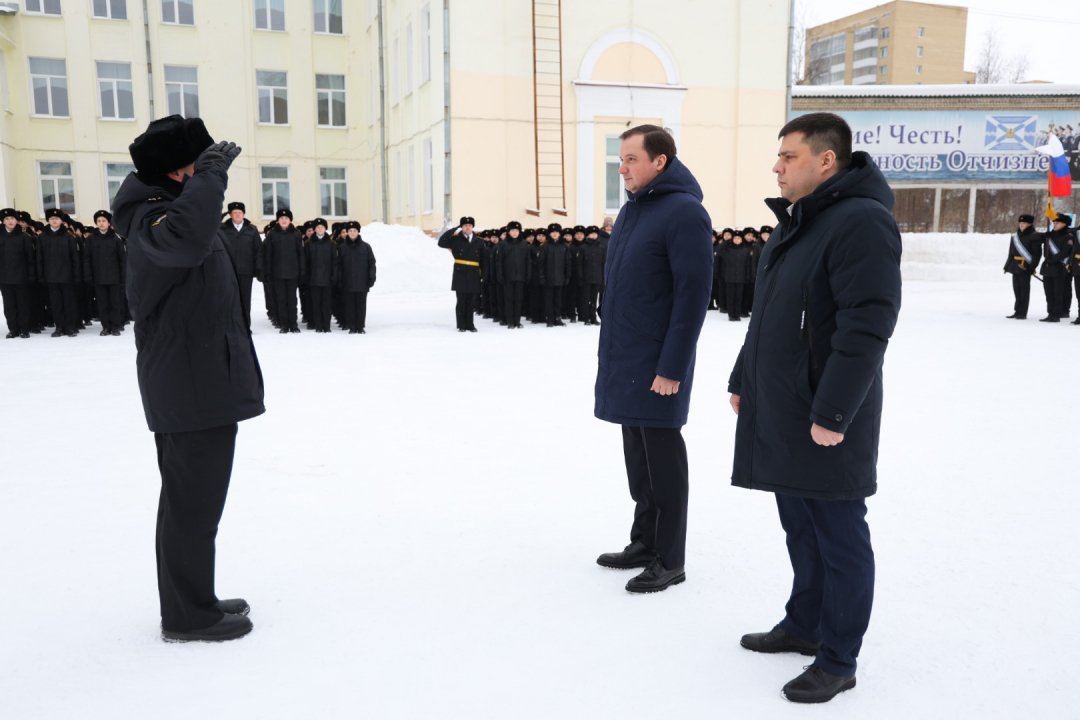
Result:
<point x="283" y="255"/>
<point x="536" y="264"/>
<point x="246" y="246"/>
<point x="556" y="259"/>
<point x="356" y="266"/>
<point x="826" y="304"/>
<point x="659" y="279"/>
<point x="1032" y="241"/>
<point x="593" y="257"/>
<point x="736" y="263"/>
<point x="18" y="265"/>
<point x="1074" y="260"/>
<point x="196" y="362"/>
<point x="58" y="257"/>
<point x="755" y="259"/>
<point x="322" y="267"/>
<point x="1054" y="262"/>
<point x="514" y="263"/>
<point x="104" y="259"/>
<point x="466" y="254"/>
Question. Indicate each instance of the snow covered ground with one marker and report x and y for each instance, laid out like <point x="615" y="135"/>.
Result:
<point x="415" y="522"/>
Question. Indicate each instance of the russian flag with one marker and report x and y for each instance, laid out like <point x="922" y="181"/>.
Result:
<point x="1060" y="176"/>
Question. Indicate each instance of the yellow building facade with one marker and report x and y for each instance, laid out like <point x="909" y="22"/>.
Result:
<point x="406" y="111"/>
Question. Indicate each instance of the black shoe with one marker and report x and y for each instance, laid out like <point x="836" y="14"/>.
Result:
<point x="472" y="329"/>
<point x="461" y="329"/>
<point x="560" y="323"/>
<point x="734" y="319"/>
<point x="1014" y="316"/>
<point x="551" y="324"/>
<point x="284" y="331"/>
<point x="655" y="578"/>
<point x="1051" y="318"/>
<point x="229" y="627"/>
<point x="354" y="332"/>
<point x="11" y="336"/>
<point x="634" y="555"/>
<point x="817" y="686"/>
<point x="236" y="606"/>
<point x="745" y="315"/>
<point x="57" y="333"/>
<point x="778" y="641"/>
<point x="116" y="332"/>
<point x="24" y="335"/>
<point x="104" y="332"/>
<point x="363" y="331"/>
<point x="294" y="329"/>
<point x="73" y="334"/>
<point x="1075" y="322"/>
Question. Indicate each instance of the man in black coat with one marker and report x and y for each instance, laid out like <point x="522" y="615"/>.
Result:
<point x="513" y="271"/>
<point x="555" y="256"/>
<point x="322" y="272"/>
<point x="1056" y="251"/>
<point x="284" y="264"/>
<point x="1025" y="248"/>
<point x="198" y="373"/>
<point x="60" y="268"/>
<point x="593" y="259"/>
<point x="17" y="267"/>
<point x="105" y="269"/>
<point x="735" y="265"/>
<point x="464" y="245"/>
<point x="536" y="274"/>
<point x="356" y="276"/>
<point x="245" y="243"/>
<point x="807" y="387"/>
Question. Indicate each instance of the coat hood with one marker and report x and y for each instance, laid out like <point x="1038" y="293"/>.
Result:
<point x="861" y="179"/>
<point x="677" y="178"/>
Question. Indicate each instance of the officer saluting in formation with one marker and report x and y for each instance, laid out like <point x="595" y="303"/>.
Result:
<point x="1025" y="246"/>
<point x="465" y="247"/>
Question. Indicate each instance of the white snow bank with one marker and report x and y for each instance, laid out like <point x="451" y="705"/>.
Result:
<point x="407" y="260"/>
<point x="953" y="256"/>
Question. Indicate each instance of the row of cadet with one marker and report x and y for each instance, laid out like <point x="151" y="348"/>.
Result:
<point x="61" y="274"/>
<point x="736" y="254"/>
<point x="1058" y="249"/>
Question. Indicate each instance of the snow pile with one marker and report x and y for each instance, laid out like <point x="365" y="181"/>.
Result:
<point x="407" y="259"/>
<point x="953" y="256"/>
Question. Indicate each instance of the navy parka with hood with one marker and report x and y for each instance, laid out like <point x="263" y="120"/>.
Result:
<point x="659" y="277"/>
<point x="827" y="300"/>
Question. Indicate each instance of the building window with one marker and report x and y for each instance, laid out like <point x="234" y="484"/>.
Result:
<point x="57" y="186"/>
<point x="883" y="68"/>
<point x="411" y="208"/>
<point x="399" y="201"/>
<point x="43" y="7"/>
<point x="884" y="52"/>
<point x="922" y="32"/>
<point x="275" y="189"/>
<point x="328" y="17"/>
<point x="827" y="59"/>
<point x="333" y="192"/>
<point x="48" y="78"/>
<point x="867" y="33"/>
<point x="425" y="44"/>
<point x="614" y="195"/>
<point x="395" y="61"/>
<point x="408" y="59"/>
<point x="918" y="69"/>
<point x="178" y="12"/>
<point x="114" y="90"/>
<point x="884" y="33"/>
<point x="182" y="90"/>
<point x="429" y="177"/>
<point x="273" y="97"/>
<point x="918" y="51"/>
<point x="330" y="91"/>
<point x="864" y="54"/>
<point x="270" y="15"/>
<point x="110" y="9"/>
<point x="115" y="173"/>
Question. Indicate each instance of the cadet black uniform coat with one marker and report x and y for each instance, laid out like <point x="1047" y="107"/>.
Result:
<point x="514" y="265"/>
<point x="196" y="363"/>
<point x="104" y="259"/>
<point x="356" y="266"/>
<point x="593" y="257"/>
<point x="826" y="304"/>
<point x="58" y="257"/>
<point x="17" y="264"/>
<point x="321" y="262"/>
<point x="246" y="247"/>
<point x="283" y="254"/>
<point x="555" y="256"/>
<point x="736" y="263"/>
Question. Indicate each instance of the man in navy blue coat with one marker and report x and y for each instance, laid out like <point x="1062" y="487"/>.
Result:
<point x="658" y="279"/>
<point x="807" y="387"/>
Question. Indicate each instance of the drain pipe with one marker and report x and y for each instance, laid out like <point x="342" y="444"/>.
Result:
<point x="446" y="111"/>
<point x="384" y="168"/>
<point x="790" y="48"/>
<point x="149" y="58"/>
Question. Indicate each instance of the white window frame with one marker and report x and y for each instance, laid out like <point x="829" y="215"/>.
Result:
<point x="110" y="10"/>
<point x="266" y="7"/>
<point x="922" y="32"/>
<point x="326" y="21"/>
<point x="49" y="85"/>
<point x="40" y="4"/>
<point x="608" y="160"/>
<point x="884" y="33"/>
<point x="425" y="44"/>
<point x="330" y="94"/>
<point x="395" y="62"/>
<point x="882" y="69"/>
<point x="114" y="178"/>
<point x="182" y="84"/>
<point x="115" y="83"/>
<point x="408" y="58"/>
<point x="176" y="12"/>
<point x="429" y="177"/>
<point x="399" y="201"/>
<point x="276" y="182"/>
<point x="331" y="185"/>
<point x="55" y="179"/>
<point x="410" y="207"/>
<point x="919" y="51"/>
<point x="918" y="69"/>
<point x="885" y="52"/>
<point x="272" y="92"/>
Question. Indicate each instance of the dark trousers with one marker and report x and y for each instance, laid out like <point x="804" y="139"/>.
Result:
<point x="571" y="292"/>
<point x="733" y="299"/>
<point x="536" y="303"/>
<point x="589" y="295"/>
<point x="355" y="310"/>
<point x="1055" y="288"/>
<point x="110" y="307"/>
<point x="305" y="305"/>
<point x="466" y="307"/>
<point x="514" y="294"/>
<point x="16" y="307"/>
<point x="748" y="296"/>
<point x="1022" y="292"/>
<point x="829" y="545"/>
<point x="65" y="309"/>
<point x="1076" y="284"/>
<point x="285" y="296"/>
<point x="656" y="467"/>
<point x="321" y="308"/>
<point x="721" y="294"/>
<point x="245" y="293"/>
<point x="1066" y="297"/>
<point x="195" y="470"/>
<point x="552" y="302"/>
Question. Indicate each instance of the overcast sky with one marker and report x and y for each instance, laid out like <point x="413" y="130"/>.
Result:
<point x="1048" y="29"/>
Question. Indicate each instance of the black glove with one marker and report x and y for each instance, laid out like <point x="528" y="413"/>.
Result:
<point x="220" y="155"/>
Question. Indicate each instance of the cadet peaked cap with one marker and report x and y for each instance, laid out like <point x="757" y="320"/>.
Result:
<point x="103" y="214"/>
<point x="320" y="221"/>
<point x="1026" y="218"/>
<point x="237" y="206"/>
<point x="284" y="212"/>
<point x="467" y="221"/>
<point x="169" y="144"/>
<point x="54" y="212"/>
<point x="553" y="227"/>
<point x="1063" y="218"/>
<point x="9" y="212"/>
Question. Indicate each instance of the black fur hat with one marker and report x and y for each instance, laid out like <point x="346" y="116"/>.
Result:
<point x="352" y="224"/>
<point x="169" y="144"/>
<point x="103" y="214"/>
<point x="579" y="229"/>
<point x="765" y="229"/>
<point x="54" y="212"/>
<point x="1026" y="218"/>
<point x="237" y="206"/>
<point x="513" y="225"/>
<point x="591" y="230"/>
<point x="468" y="221"/>
<point x="553" y="227"/>
<point x="1063" y="218"/>
<point x="749" y="231"/>
<point x="284" y="212"/>
<point x="320" y="221"/>
<point x="25" y="217"/>
<point x="9" y="212"/>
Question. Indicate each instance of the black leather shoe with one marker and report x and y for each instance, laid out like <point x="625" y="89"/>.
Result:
<point x="1075" y="322"/>
<point x="634" y="555"/>
<point x="12" y="335"/>
<point x="57" y="333"/>
<point x="655" y="578"/>
<point x="24" y="335"/>
<point x="817" y="686"/>
<point x="778" y="641"/>
<point x="228" y="627"/>
<point x="1051" y="318"/>
<point x="1014" y="316"/>
<point x="236" y="606"/>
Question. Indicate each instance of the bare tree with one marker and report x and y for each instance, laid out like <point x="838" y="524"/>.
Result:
<point x="798" y="43"/>
<point x="991" y="67"/>
<point x="1019" y="66"/>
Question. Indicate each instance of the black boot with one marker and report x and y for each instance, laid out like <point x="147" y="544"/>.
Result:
<point x="655" y="578"/>
<point x="778" y="641"/>
<point x="1051" y="318"/>
<point x="236" y="606"/>
<point x="817" y="686"/>
<point x="1075" y="322"/>
<point x="228" y="627"/>
<point x="634" y="555"/>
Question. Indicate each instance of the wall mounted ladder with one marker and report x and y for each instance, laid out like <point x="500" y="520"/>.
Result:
<point x="548" y="105"/>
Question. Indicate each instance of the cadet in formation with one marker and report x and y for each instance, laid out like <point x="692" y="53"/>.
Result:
<point x="1025" y="248"/>
<point x="1058" y="247"/>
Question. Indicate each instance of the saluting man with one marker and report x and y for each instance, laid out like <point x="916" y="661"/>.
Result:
<point x="465" y="247"/>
